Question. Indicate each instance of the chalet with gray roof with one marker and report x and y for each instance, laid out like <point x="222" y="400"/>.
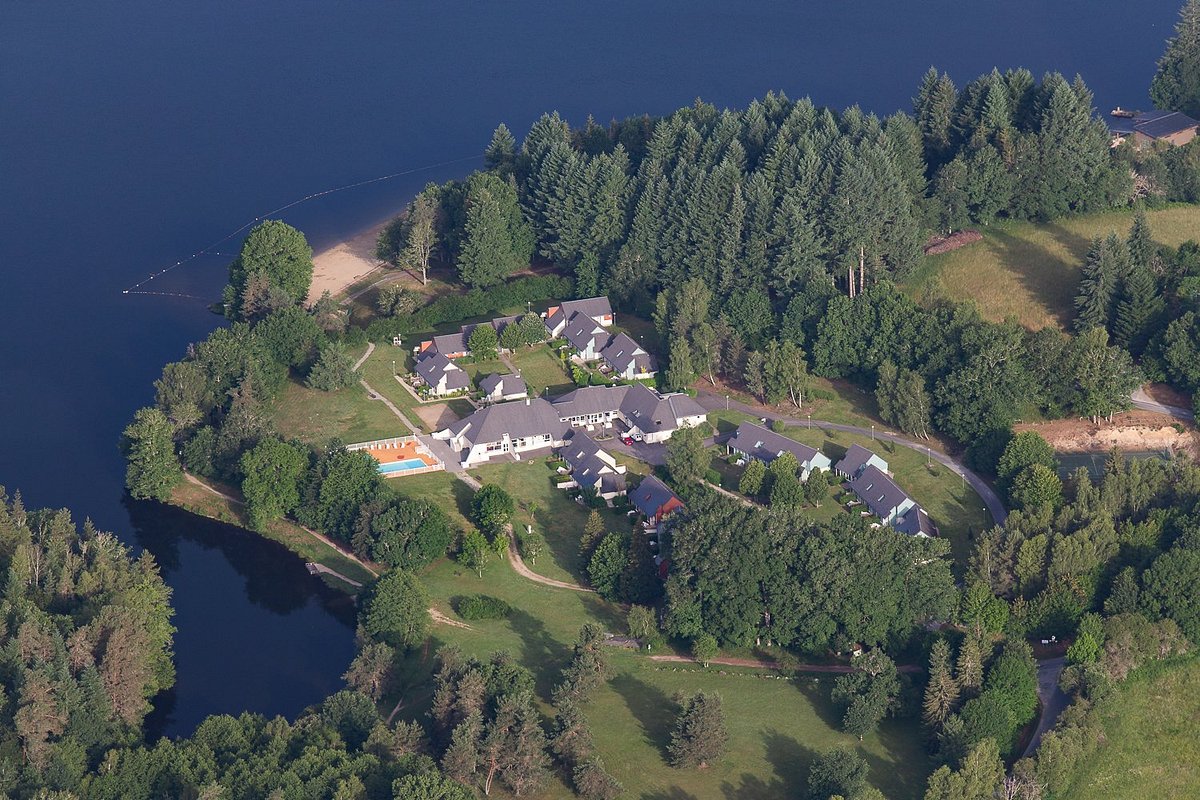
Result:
<point x="442" y="375"/>
<point x="915" y="522"/>
<point x="505" y="429"/>
<point x="598" y="309"/>
<point x="627" y="358"/>
<point x="593" y="468"/>
<point x="586" y="335"/>
<point x="643" y="411"/>
<point x="497" y="388"/>
<point x="857" y="459"/>
<point x="1148" y="128"/>
<point x="881" y="495"/>
<point x="755" y="441"/>
<point x="654" y="500"/>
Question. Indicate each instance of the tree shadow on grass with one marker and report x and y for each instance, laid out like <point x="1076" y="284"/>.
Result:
<point x="909" y="781"/>
<point x="815" y="689"/>
<point x="654" y="711"/>
<point x="540" y="651"/>
<point x="463" y="494"/>
<point x="1044" y="274"/>
<point x="604" y="612"/>
<point x="790" y="761"/>
<point x="674" y="793"/>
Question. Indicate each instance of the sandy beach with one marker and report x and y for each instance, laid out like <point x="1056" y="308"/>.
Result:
<point x="346" y="262"/>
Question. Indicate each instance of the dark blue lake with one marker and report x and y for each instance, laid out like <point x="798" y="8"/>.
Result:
<point x="136" y="133"/>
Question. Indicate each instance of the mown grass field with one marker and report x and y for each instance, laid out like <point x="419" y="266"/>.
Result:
<point x="315" y="417"/>
<point x="542" y="370"/>
<point x="1030" y="271"/>
<point x="1150" y="744"/>
<point x="954" y="506"/>
<point x="777" y="724"/>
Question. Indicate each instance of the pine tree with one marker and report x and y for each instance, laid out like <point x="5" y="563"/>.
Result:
<point x="501" y="153"/>
<point x="751" y="482"/>
<point x="968" y="667"/>
<point x="1137" y="310"/>
<point x="1176" y="85"/>
<point x="700" y="735"/>
<point x="593" y="530"/>
<point x="941" y="693"/>
<point x="483" y="261"/>
<point x="934" y="108"/>
<point x="639" y="581"/>
<point x="1097" y="286"/>
<point x="680" y="371"/>
<point x="1140" y="242"/>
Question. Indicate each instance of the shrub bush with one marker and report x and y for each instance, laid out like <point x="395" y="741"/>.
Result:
<point x="481" y="606"/>
<point x="713" y="477"/>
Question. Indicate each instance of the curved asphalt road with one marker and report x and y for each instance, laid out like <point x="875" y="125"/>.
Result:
<point x="713" y="402"/>
<point x="1054" y="700"/>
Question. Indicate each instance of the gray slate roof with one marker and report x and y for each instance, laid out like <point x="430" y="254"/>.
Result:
<point x="589" y="464"/>
<point x="432" y="367"/>
<point x="589" y="307"/>
<point x="508" y="384"/>
<point x="915" y="521"/>
<point x="519" y="419"/>
<point x="855" y="459"/>
<point x="767" y="445"/>
<point x="451" y="342"/>
<point x="621" y="351"/>
<point x="650" y="495"/>
<point x="582" y="331"/>
<point x="878" y="491"/>
<point x="642" y="406"/>
<point x="1155" y="124"/>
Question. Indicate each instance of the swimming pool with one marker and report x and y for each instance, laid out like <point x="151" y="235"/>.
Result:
<point x="406" y="465"/>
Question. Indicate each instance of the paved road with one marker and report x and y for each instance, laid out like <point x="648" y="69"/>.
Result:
<point x="1144" y="402"/>
<point x="1054" y="700"/>
<point x="714" y="402"/>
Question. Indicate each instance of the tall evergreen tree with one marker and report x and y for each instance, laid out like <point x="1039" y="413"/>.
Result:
<point x="1137" y="310"/>
<point x="1176" y="84"/>
<point x="501" y="153"/>
<point x="941" y="693"/>
<point x="1097" y="287"/>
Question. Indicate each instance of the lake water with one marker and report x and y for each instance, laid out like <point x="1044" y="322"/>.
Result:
<point x="136" y="133"/>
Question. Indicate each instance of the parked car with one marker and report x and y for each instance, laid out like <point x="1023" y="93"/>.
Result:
<point x="637" y="437"/>
<point x="625" y="440"/>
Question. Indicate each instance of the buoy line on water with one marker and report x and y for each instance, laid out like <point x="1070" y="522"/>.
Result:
<point x="208" y="249"/>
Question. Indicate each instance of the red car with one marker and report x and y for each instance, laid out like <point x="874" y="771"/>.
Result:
<point x="625" y="440"/>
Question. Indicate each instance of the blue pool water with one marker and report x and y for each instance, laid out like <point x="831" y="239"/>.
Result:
<point x="401" y="466"/>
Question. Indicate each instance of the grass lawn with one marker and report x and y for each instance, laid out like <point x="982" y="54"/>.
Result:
<point x="1031" y="271"/>
<point x="954" y="506"/>
<point x="1150" y="746"/>
<point x="542" y="370"/>
<point x="315" y="417"/>
<point x="559" y="519"/>
<point x="777" y="727"/>
<point x="380" y="369"/>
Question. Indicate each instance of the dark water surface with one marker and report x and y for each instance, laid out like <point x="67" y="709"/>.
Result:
<point x="135" y="133"/>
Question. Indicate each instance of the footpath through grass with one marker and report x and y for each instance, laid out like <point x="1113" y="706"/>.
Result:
<point x="1150" y="747"/>
<point x="1030" y="270"/>
<point x="778" y="723"/>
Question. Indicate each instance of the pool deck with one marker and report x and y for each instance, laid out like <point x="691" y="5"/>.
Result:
<point x="395" y="451"/>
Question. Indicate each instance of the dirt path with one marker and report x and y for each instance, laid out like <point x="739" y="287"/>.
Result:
<point x="1143" y="400"/>
<point x="518" y="565"/>
<point x="318" y="536"/>
<point x="756" y="663"/>
<point x="441" y="619"/>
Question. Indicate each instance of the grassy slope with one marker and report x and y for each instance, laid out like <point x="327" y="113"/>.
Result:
<point x="1151" y="748"/>
<point x="1029" y="270"/>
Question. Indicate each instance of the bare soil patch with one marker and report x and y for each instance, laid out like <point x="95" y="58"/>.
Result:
<point x="1131" y="431"/>
<point x="436" y="415"/>
<point x="441" y="619"/>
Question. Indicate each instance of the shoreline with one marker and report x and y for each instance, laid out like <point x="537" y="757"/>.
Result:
<point x="341" y="265"/>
